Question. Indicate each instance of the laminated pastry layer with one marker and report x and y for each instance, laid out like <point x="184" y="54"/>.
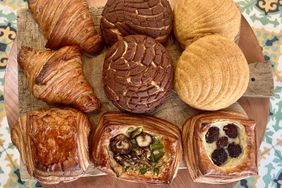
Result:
<point x="56" y="77"/>
<point x="53" y="144"/>
<point x="220" y="147"/>
<point x="66" y="23"/>
<point x="137" y="148"/>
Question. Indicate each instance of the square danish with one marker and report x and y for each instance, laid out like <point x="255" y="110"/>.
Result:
<point x="220" y="147"/>
<point x="53" y="144"/>
<point x="137" y="148"/>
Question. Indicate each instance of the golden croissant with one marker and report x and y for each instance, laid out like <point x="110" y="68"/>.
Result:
<point x="56" y="77"/>
<point x="212" y="73"/>
<point x="195" y="19"/>
<point x="53" y="144"/>
<point x="66" y="22"/>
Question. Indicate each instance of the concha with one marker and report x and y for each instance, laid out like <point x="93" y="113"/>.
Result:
<point x="195" y="19"/>
<point x="211" y="74"/>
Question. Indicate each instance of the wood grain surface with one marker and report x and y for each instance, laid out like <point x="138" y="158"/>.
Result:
<point x="256" y="108"/>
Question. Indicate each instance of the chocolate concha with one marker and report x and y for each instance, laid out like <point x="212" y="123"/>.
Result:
<point x="137" y="74"/>
<point x="120" y="18"/>
<point x="195" y="19"/>
<point x="211" y="74"/>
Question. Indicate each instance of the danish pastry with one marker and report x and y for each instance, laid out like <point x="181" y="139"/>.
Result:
<point x="137" y="148"/>
<point x="220" y="147"/>
<point x="53" y="144"/>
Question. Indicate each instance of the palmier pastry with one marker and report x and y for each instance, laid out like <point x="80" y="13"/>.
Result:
<point x="137" y="74"/>
<point x="220" y="147"/>
<point x="56" y="77"/>
<point x="120" y="18"/>
<point x="212" y="73"/>
<point x="195" y="19"/>
<point x="53" y="144"/>
<point x="66" y="22"/>
<point x="137" y="148"/>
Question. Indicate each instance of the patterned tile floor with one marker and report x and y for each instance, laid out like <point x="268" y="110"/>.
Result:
<point x="265" y="16"/>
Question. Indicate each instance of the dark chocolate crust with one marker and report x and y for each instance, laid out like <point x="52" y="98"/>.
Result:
<point x="137" y="74"/>
<point x="120" y="18"/>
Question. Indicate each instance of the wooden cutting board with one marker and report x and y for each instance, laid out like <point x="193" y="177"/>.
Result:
<point x="173" y="110"/>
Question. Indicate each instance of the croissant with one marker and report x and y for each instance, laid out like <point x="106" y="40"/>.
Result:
<point x="211" y="74"/>
<point x="137" y="148"/>
<point x="195" y="19"/>
<point x="66" y="22"/>
<point x="56" y="77"/>
<point x="53" y="144"/>
<point x="220" y="147"/>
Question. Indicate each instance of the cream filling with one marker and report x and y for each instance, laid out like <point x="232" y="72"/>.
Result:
<point x="240" y="139"/>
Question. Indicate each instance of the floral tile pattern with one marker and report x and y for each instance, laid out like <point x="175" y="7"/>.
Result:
<point x="265" y="16"/>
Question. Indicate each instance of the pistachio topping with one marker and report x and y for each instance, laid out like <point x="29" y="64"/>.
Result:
<point x="136" y="132"/>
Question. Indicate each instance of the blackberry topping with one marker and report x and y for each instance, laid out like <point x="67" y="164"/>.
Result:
<point x="212" y="134"/>
<point x="222" y="142"/>
<point x="219" y="156"/>
<point x="231" y="130"/>
<point x="234" y="150"/>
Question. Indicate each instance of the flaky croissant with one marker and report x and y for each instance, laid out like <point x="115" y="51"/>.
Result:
<point x="53" y="144"/>
<point x="66" y="22"/>
<point x="56" y="77"/>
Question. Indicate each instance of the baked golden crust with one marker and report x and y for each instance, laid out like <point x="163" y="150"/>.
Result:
<point x="53" y="144"/>
<point x="66" y="22"/>
<point x="56" y="77"/>
<point x="201" y="166"/>
<point x="112" y="124"/>
<point x="211" y="74"/>
<point x="196" y="19"/>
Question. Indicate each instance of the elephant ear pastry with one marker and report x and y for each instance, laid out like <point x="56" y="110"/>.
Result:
<point x="66" y="23"/>
<point x="53" y="144"/>
<point x="137" y="148"/>
<point x="211" y="74"/>
<point x="196" y="19"/>
<point x="56" y="77"/>
<point x="220" y="147"/>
